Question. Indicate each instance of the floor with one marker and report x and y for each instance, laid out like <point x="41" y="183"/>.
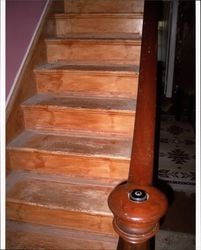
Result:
<point x="177" y="153"/>
<point x="181" y="214"/>
<point x="166" y="240"/>
<point x="176" y="168"/>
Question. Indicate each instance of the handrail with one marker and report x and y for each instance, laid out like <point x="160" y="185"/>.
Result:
<point x="135" y="220"/>
<point x="142" y="156"/>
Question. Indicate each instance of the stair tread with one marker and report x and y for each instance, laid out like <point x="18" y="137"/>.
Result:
<point x="103" y="6"/>
<point x="87" y="67"/>
<point x="35" y="191"/>
<point x="82" y="102"/>
<point x="135" y="40"/>
<point x="72" y="144"/>
<point x="110" y="15"/>
<point x="99" y="36"/>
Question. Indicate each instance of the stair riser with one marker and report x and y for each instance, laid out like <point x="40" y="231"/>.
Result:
<point x="98" y="6"/>
<point x="88" y="83"/>
<point x="97" y="24"/>
<point x="97" y="52"/>
<point x="51" y="27"/>
<point x="70" y="165"/>
<point x="56" y="217"/>
<point x="36" y="237"/>
<point x="63" y="119"/>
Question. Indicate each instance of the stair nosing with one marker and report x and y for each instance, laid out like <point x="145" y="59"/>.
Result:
<point x="71" y="109"/>
<point x="86" y="155"/>
<point x="75" y="133"/>
<point x="131" y="15"/>
<point x="53" y="207"/>
<point x="50" y="106"/>
<point x="134" y="36"/>
<point x="50" y="68"/>
<point x="126" y="41"/>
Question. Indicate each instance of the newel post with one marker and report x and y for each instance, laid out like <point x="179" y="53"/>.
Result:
<point x="137" y="205"/>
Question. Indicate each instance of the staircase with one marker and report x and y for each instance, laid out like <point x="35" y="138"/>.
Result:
<point x="78" y="129"/>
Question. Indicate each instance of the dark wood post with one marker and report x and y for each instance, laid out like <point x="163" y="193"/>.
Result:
<point x="137" y="206"/>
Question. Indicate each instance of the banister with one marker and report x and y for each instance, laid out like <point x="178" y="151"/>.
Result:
<point x="142" y="156"/>
<point x="137" y="220"/>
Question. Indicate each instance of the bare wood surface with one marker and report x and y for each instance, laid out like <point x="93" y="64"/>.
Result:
<point x="122" y="51"/>
<point x="71" y="155"/>
<point x="103" y="6"/>
<point x="98" y="23"/>
<point x="80" y="123"/>
<point x="78" y="206"/>
<point x="93" y="80"/>
<point x="32" y="236"/>
<point x="62" y="113"/>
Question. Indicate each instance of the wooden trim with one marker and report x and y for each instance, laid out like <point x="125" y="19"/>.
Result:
<point x="26" y="59"/>
<point x="25" y="84"/>
<point x="142" y="157"/>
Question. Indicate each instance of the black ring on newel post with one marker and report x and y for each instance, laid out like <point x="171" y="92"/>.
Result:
<point x="138" y="195"/>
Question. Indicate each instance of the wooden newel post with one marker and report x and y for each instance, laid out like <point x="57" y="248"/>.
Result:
<point x="137" y="206"/>
<point x="137" y="210"/>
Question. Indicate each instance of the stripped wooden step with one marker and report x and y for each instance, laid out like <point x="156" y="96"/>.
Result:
<point x="105" y="80"/>
<point x="99" y="51"/>
<point x="64" y="113"/>
<point x="78" y="133"/>
<point x="101" y="36"/>
<point x="98" y="23"/>
<point x="49" y="201"/>
<point x="71" y="155"/>
<point x="102" y="6"/>
<point x="30" y="236"/>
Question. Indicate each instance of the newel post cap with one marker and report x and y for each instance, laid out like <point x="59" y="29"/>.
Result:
<point x="137" y="211"/>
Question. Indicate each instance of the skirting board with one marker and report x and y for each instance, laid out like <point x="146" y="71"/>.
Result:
<point x="26" y="57"/>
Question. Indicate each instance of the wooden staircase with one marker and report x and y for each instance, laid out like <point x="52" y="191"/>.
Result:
<point x="75" y="145"/>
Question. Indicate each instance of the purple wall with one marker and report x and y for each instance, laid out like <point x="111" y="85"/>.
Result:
<point x="22" y="17"/>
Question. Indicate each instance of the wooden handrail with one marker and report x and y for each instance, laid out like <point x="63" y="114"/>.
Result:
<point x="137" y="220"/>
<point x="142" y="156"/>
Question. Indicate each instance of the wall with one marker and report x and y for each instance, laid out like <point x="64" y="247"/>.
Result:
<point x="22" y="17"/>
